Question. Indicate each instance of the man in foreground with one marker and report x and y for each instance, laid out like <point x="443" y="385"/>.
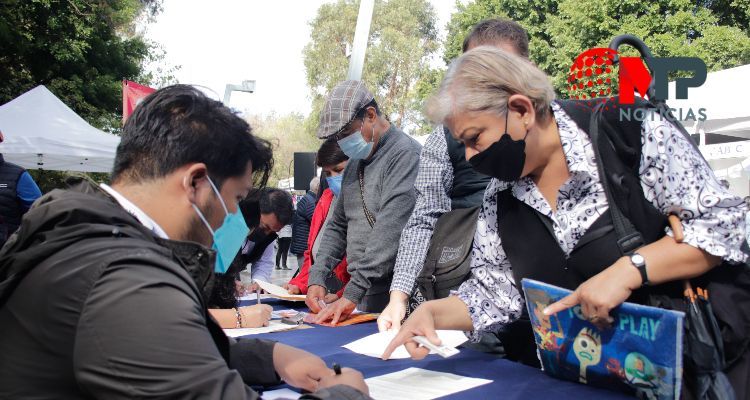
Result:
<point x="103" y="289"/>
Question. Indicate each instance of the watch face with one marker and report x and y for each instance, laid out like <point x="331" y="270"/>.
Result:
<point x="637" y="259"/>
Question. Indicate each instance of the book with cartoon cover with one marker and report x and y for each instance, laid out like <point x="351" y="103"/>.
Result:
<point x="641" y="352"/>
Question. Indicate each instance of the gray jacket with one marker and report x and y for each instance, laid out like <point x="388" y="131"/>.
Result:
<point x="389" y="195"/>
<point x="92" y="305"/>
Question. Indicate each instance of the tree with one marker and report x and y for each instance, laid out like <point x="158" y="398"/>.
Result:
<point x="80" y="49"/>
<point x="402" y="39"/>
<point x="559" y="30"/>
<point x="287" y="135"/>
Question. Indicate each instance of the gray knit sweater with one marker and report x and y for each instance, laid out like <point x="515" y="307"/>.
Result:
<point x="389" y="194"/>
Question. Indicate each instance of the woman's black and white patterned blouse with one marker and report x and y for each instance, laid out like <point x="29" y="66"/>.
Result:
<point x="675" y="178"/>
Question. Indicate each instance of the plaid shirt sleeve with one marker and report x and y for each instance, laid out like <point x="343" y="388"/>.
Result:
<point x="433" y="186"/>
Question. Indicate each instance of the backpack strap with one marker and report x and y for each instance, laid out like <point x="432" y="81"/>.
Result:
<point x="628" y="238"/>
<point x="619" y="143"/>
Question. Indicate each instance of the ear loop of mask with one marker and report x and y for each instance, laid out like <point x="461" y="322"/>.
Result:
<point x="198" y="211"/>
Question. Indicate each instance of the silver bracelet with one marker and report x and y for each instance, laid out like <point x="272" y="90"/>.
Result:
<point x="239" y="317"/>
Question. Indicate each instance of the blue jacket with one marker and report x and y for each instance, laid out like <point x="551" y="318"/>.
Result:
<point x="301" y="223"/>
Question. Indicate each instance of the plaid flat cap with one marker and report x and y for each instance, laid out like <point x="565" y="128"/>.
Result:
<point x="341" y="106"/>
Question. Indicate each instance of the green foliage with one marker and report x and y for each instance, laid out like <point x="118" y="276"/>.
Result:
<point x="81" y="50"/>
<point x="287" y="134"/>
<point x="715" y="31"/>
<point x="403" y="36"/>
<point x="50" y="180"/>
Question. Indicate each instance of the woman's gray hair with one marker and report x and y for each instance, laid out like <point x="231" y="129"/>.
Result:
<point x="483" y="79"/>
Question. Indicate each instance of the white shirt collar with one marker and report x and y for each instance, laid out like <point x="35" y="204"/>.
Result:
<point x="141" y="216"/>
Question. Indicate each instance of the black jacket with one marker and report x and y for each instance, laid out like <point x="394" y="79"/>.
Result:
<point x="93" y="305"/>
<point x="11" y="208"/>
<point x="224" y="293"/>
<point x="301" y="223"/>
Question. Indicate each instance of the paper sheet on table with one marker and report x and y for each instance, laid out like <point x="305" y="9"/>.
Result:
<point x="273" y="326"/>
<point x="254" y="297"/>
<point x="279" y="292"/>
<point x="419" y="384"/>
<point x="375" y="344"/>
<point x="280" y="394"/>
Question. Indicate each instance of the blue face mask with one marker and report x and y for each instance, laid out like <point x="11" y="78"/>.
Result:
<point x="355" y="146"/>
<point x="334" y="183"/>
<point x="229" y="237"/>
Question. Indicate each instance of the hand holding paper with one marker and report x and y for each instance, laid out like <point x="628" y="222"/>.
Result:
<point x="375" y="344"/>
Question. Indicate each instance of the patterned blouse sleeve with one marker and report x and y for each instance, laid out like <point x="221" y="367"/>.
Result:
<point x="677" y="180"/>
<point x="490" y="294"/>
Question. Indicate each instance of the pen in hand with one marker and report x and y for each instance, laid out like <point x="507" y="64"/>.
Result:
<point x="337" y="368"/>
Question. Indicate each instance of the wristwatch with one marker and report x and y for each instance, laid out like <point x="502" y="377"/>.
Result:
<point x="640" y="263"/>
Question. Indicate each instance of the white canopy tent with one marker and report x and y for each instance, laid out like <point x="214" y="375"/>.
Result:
<point x="723" y="97"/>
<point x="41" y="132"/>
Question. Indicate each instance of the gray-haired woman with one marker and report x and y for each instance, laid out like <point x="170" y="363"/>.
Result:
<point x="547" y="196"/>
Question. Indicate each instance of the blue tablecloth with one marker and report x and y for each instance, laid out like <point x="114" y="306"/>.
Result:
<point x="510" y="380"/>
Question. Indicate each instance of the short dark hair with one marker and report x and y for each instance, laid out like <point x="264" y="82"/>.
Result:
<point x="330" y="154"/>
<point x="361" y="113"/>
<point x="178" y="125"/>
<point x="492" y="31"/>
<point x="277" y="202"/>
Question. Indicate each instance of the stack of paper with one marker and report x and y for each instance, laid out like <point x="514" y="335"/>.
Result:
<point x="419" y="384"/>
<point x="375" y="344"/>
<point x="254" y="297"/>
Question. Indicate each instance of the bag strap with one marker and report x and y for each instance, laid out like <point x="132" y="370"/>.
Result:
<point x="368" y="215"/>
<point x="628" y="238"/>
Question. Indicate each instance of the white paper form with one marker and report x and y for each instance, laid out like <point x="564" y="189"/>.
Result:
<point x="280" y="394"/>
<point x="375" y="344"/>
<point x="279" y="292"/>
<point x="274" y="325"/>
<point x="419" y="384"/>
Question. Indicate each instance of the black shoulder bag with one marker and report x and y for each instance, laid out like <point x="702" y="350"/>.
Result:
<point x="617" y="149"/>
<point x="448" y="260"/>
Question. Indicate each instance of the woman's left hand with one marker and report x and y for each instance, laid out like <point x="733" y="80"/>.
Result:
<point x="601" y="293"/>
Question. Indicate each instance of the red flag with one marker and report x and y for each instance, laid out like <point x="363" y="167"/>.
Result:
<point x="132" y="94"/>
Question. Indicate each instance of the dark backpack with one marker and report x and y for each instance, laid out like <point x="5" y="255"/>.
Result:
<point x="448" y="260"/>
<point x="617" y="146"/>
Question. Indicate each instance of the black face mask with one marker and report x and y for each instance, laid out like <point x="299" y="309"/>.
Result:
<point x="504" y="159"/>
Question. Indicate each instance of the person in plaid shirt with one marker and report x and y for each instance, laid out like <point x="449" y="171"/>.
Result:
<point x="445" y="182"/>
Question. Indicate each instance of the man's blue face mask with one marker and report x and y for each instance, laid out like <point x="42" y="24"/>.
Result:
<point x="228" y="238"/>
<point x="334" y="183"/>
<point x="355" y="146"/>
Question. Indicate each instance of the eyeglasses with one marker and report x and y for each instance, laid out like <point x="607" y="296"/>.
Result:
<point x="347" y="130"/>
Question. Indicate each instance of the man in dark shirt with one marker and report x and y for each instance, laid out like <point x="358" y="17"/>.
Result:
<point x="301" y="223"/>
<point x="265" y="211"/>
<point x="103" y="289"/>
<point x="17" y="192"/>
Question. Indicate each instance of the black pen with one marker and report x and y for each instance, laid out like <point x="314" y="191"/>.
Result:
<point x="337" y="368"/>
